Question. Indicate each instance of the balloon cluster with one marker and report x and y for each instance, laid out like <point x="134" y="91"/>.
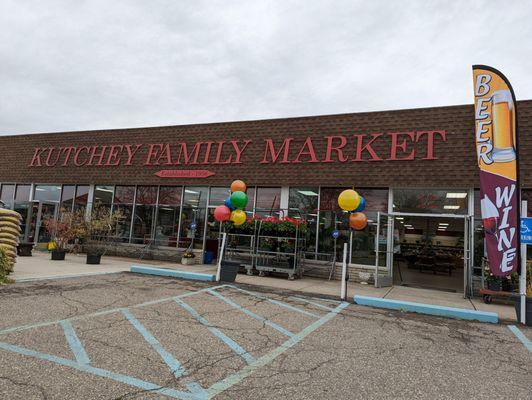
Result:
<point x="233" y="207"/>
<point x="350" y="200"/>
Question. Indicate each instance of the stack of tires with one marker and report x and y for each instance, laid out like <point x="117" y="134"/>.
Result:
<point x="9" y="234"/>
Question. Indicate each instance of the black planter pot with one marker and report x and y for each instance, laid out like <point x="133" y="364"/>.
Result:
<point x="24" y="249"/>
<point x="229" y="271"/>
<point x="58" y="255"/>
<point x="94" y="259"/>
<point x="528" y="317"/>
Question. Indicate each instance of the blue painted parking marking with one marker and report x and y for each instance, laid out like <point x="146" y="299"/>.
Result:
<point x="175" y="366"/>
<point x="277" y="302"/>
<point x="521" y="336"/>
<point x="232" y="380"/>
<point x="74" y="343"/>
<point x="194" y="391"/>
<point x="128" y="380"/>
<point x="302" y="299"/>
<point x="429" y="309"/>
<point x="107" y="312"/>
<point x="252" y="314"/>
<point x="218" y="333"/>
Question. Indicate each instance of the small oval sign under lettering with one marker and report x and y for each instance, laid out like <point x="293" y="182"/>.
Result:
<point x="184" y="173"/>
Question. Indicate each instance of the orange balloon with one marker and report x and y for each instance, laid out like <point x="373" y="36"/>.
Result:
<point x="358" y="221"/>
<point x="238" y="186"/>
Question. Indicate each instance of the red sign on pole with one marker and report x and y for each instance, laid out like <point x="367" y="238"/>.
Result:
<point x="184" y="173"/>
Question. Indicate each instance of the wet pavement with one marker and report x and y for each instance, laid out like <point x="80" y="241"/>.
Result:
<point x="127" y="336"/>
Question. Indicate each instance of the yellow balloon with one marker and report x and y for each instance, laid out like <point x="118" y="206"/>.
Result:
<point x="348" y="200"/>
<point x="238" y="217"/>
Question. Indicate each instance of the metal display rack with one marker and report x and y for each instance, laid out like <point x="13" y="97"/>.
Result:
<point x="267" y="253"/>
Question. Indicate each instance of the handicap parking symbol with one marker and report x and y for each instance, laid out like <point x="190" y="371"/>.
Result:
<point x="526" y="230"/>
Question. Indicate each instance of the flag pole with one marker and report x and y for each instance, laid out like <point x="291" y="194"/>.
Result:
<point x="522" y="278"/>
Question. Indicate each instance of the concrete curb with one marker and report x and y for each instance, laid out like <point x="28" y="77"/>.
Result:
<point x="429" y="309"/>
<point x="54" y="277"/>
<point x="195" y="276"/>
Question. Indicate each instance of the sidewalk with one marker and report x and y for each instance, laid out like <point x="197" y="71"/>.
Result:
<point x="41" y="267"/>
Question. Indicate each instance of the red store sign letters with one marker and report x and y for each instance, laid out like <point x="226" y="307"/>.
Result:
<point x="401" y="146"/>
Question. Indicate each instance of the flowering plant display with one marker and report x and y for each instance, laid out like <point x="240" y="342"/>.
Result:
<point x="274" y="226"/>
<point x="188" y="254"/>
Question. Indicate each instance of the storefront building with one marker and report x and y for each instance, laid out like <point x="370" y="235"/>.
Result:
<point x="416" y="168"/>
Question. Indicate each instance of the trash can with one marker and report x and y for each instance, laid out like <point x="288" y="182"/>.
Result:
<point x="208" y="256"/>
<point x="528" y="315"/>
<point x="229" y="270"/>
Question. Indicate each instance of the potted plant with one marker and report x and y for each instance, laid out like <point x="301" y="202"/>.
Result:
<point x="494" y="283"/>
<point x="97" y="231"/>
<point x="63" y="230"/>
<point x="188" y="258"/>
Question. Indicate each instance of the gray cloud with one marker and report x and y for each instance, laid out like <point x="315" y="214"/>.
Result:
<point x="72" y="65"/>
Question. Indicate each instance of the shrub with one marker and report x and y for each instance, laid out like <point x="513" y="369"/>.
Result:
<point x="65" y="228"/>
<point x="99" y="229"/>
<point x="5" y="267"/>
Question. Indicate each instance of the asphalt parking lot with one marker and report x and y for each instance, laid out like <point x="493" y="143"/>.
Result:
<point x="127" y="336"/>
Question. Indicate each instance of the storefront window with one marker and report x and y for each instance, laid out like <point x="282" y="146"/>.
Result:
<point x="145" y="207"/>
<point x="268" y="201"/>
<point x="304" y="199"/>
<point x="82" y="197"/>
<point x="23" y="193"/>
<point x="331" y="218"/>
<point x="124" y="194"/>
<point x="479" y="244"/>
<point x="67" y="198"/>
<point x="303" y="204"/>
<point x="103" y="195"/>
<point x="170" y="195"/>
<point x="218" y="196"/>
<point x="193" y="217"/>
<point x="212" y="235"/>
<point x="430" y="201"/>
<point x="48" y="193"/>
<point x="527" y="195"/>
<point x="123" y="203"/>
<point x="23" y="208"/>
<point x="22" y="205"/>
<point x="363" y="246"/>
<point x="250" y="208"/>
<point x="6" y="195"/>
<point x="167" y="225"/>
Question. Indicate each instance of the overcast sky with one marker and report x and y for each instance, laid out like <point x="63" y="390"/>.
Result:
<point x="73" y="65"/>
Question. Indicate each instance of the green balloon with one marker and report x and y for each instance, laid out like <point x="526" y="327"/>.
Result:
<point x="239" y="199"/>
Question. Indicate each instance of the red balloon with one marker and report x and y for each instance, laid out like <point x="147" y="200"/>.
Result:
<point x="222" y="213"/>
<point x="238" y="186"/>
<point x="358" y="221"/>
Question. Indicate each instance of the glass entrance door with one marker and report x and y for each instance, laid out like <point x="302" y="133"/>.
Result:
<point x="432" y="251"/>
<point x="38" y="212"/>
<point x="384" y="250"/>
